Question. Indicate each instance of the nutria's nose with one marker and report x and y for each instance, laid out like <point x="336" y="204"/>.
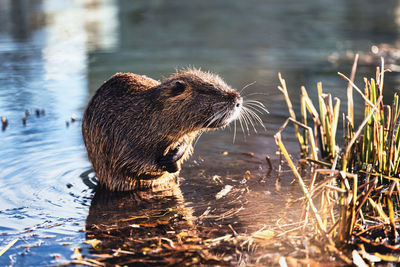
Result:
<point x="238" y="102"/>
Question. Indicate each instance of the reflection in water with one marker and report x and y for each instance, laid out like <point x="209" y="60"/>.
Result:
<point x="165" y="227"/>
<point x="19" y="17"/>
<point x="54" y="54"/>
<point x="153" y="228"/>
<point x="143" y="227"/>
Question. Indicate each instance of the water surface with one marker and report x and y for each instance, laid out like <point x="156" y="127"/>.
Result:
<point x="55" y="54"/>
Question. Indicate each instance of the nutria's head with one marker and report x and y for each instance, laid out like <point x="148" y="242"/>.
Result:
<point x="197" y="101"/>
<point x="193" y="101"/>
<point x="138" y="129"/>
<point x="205" y="100"/>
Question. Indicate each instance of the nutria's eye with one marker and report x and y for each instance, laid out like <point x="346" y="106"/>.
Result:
<point x="178" y="88"/>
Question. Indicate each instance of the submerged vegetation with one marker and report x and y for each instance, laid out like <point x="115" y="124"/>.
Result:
<point x="352" y="198"/>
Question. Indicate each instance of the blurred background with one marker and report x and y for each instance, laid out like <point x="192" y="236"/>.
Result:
<point x="55" y="54"/>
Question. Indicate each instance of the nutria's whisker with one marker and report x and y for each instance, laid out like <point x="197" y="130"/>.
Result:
<point x="234" y="131"/>
<point x="225" y="113"/>
<point x="223" y="117"/>
<point x="258" y="110"/>
<point x="264" y="109"/>
<point x="250" y="119"/>
<point x="255" y="116"/>
<point x="214" y="118"/>
<point x="210" y="120"/>
<point x="218" y="105"/>
<point x="246" y="86"/>
<point x="254" y="102"/>
<point x="241" y="124"/>
<point x="217" y="117"/>
<point x="197" y="139"/>
<point x="245" y="120"/>
<point x="245" y="96"/>
<point x="256" y="107"/>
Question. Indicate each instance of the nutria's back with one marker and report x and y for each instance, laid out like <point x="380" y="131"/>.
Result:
<point x="138" y="131"/>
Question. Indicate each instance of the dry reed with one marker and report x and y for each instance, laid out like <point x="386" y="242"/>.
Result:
<point x="354" y="202"/>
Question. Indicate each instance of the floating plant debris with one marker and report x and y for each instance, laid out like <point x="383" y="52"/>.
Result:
<point x="4" y="123"/>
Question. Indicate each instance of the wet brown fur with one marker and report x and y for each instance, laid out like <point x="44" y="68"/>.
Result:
<point x="132" y="121"/>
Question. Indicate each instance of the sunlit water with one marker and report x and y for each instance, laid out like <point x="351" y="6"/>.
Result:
<point x="55" y="54"/>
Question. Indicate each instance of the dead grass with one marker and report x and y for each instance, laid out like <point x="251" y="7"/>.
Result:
<point x="352" y="197"/>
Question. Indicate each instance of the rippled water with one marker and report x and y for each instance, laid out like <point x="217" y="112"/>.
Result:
<point x="55" y="54"/>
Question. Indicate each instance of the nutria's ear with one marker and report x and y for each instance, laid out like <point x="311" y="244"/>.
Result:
<point x="178" y="88"/>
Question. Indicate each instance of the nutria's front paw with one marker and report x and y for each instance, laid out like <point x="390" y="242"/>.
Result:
<point x="170" y="162"/>
<point x="172" y="168"/>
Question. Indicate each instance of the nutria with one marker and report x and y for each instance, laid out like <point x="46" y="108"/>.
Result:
<point x="138" y="131"/>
